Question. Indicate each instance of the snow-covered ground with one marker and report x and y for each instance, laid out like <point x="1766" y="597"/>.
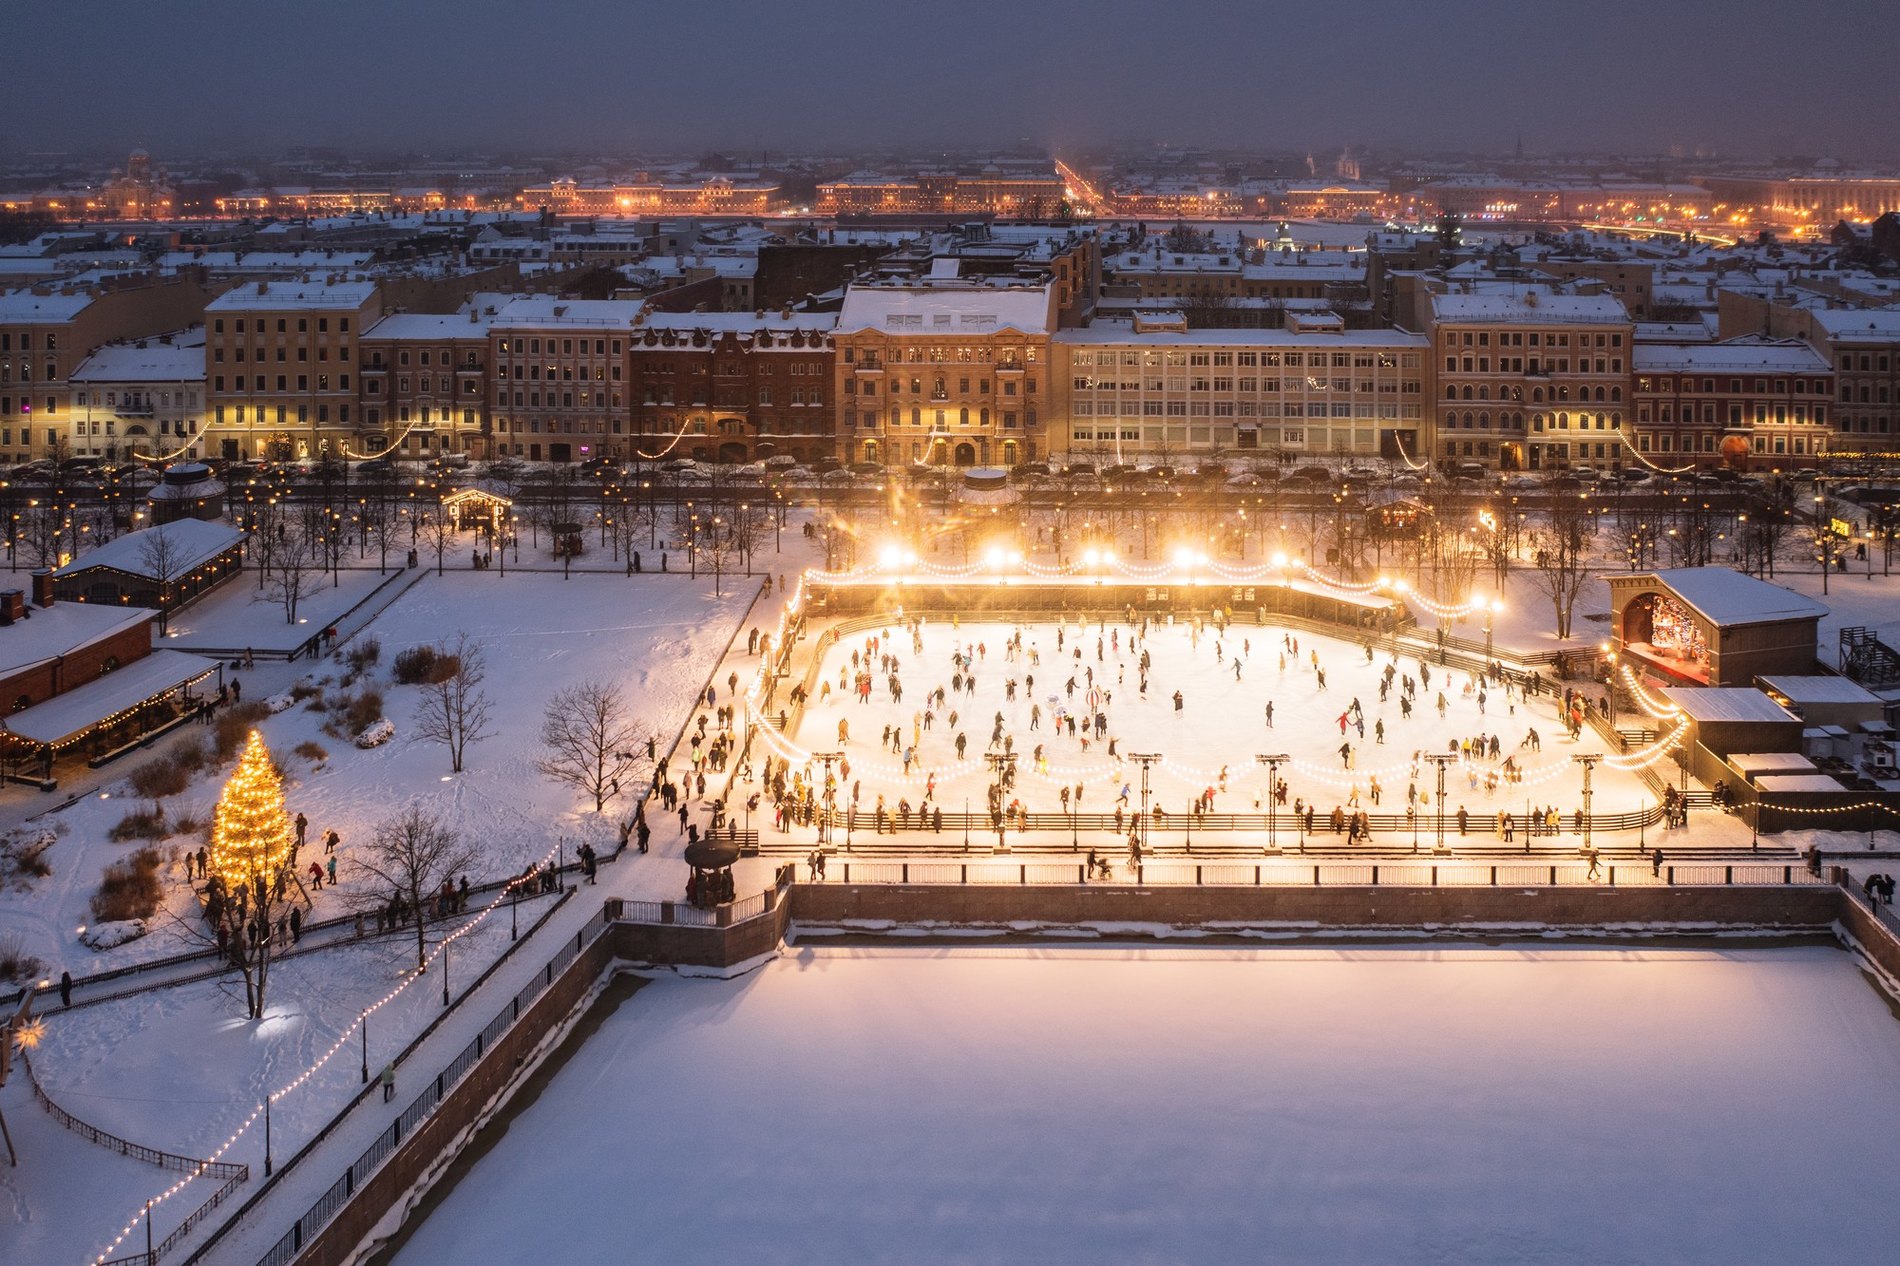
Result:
<point x="1106" y="1104"/>
<point x="1221" y="724"/>
<point x="655" y="636"/>
<point x="240" y="614"/>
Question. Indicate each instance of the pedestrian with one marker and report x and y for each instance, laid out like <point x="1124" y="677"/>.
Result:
<point x="296" y="926"/>
<point x="1656" y="862"/>
<point x="682" y="819"/>
<point x="65" y="989"/>
<point x="389" y="1082"/>
<point x="330" y="870"/>
<point x="302" y="823"/>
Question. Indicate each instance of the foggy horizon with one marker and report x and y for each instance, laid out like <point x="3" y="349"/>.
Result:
<point x="598" y="77"/>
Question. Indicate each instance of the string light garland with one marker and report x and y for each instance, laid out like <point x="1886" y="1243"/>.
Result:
<point x="144" y="1210"/>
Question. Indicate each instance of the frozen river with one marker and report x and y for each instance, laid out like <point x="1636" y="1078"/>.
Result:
<point x="1108" y="1104"/>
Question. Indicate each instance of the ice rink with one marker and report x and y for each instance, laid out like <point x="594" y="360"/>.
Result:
<point x="1108" y="1104"/>
<point x="1208" y="740"/>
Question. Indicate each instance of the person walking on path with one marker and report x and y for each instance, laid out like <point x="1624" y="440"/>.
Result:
<point x="302" y="824"/>
<point x="65" y="989"/>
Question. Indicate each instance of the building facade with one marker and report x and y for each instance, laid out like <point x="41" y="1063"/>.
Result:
<point x="945" y="370"/>
<point x="425" y="383"/>
<point x="281" y="368"/>
<point x="1528" y="380"/>
<point x="1748" y="398"/>
<point x="558" y="377"/>
<point x="145" y="397"/>
<point x="44" y="337"/>
<point x="1153" y="393"/>
<point x="732" y="387"/>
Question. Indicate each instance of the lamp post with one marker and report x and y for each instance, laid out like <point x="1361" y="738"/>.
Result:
<point x="831" y="793"/>
<point x="1491" y="608"/>
<point x="445" y="971"/>
<point x="1589" y="761"/>
<point x="1000" y="763"/>
<point x="363" y="1024"/>
<point x="1273" y="764"/>
<point x="1440" y="759"/>
<point x="1147" y="760"/>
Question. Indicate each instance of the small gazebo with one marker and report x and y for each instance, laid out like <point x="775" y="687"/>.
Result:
<point x="476" y="508"/>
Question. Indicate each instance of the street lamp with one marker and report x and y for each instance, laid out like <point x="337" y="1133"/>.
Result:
<point x="1440" y="759"/>
<point x="1588" y="761"/>
<point x="1273" y="764"/>
<point x="1491" y="608"/>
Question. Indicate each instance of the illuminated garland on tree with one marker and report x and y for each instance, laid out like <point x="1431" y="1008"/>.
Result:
<point x="250" y="836"/>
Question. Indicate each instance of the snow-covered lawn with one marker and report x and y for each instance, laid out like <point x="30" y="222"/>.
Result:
<point x="1104" y="1104"/>
<point x="1221" y="723"/>
<point x="240" y="614"/>
<point x="657" y="637"/>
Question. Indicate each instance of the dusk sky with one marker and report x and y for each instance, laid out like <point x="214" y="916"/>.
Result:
<point x="1735" y="76"/>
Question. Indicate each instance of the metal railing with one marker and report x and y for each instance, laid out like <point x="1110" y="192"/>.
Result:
<point x="326" y="1206"/>
<point x="1421" y="874"/>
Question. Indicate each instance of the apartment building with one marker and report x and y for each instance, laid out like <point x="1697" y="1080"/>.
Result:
<point x="281" y="368"/>
<point x="1862" y="345"/>
<point x="1528" y="379"/>
<point x="559" y="377"/>
<point x="1159" y="389"/>
<point x="1213" y="277"/>
<point x="1750" y="397"/>
<point x="732" y="387"/>
<point x="425" y="382"/>
<point x="945" y="369"/>
<point x="142" y="397"/>
<point x="46" y="334"/>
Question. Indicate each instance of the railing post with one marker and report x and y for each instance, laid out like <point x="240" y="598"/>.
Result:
<point x="1787" y="874"/>
<point x="1612" y="875"/>
<point x="964" y="876"/>
<point x="906" y="872"/>
<point x="1197" y="875"/>
<point x="1434" y="876"/>
<point x="1022" y="873"/>
<point x="1728" y="874"/>
<point x="1256" y="874"/>
<point x="1375" y="876"/>
<point x="1671" y="875"/>
<point x="847" y="872"/>
<point x="1553" y="876"/>
<point x="1494" y="876"/>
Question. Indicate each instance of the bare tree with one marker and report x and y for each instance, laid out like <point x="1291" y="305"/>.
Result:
<point x="1561" y="552"/>
<point x="592" y="740"/>
<point x="416" y="855"/>
<point x="162" y="555"/>
<point x="296" y="558"/>
<point x="454" y="711"/>
<point x="437" y="533"/>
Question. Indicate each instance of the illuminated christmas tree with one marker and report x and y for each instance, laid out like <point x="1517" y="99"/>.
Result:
<point x="251" y="835"/>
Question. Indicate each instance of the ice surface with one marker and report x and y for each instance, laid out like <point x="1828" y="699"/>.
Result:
<point x="1105" y="1104"/>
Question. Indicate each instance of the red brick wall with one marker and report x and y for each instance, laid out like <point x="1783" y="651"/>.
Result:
<point x="43" y="681"/>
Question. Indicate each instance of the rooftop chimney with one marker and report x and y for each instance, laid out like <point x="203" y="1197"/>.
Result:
<point x="43" y="587"/>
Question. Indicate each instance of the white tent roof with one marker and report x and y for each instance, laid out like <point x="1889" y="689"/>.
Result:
<point x="77" y="710"/>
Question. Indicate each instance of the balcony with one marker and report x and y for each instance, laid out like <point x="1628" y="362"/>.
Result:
<point x="1010" y="367"/>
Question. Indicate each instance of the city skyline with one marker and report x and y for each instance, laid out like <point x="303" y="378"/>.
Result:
<point x="1480" y="76"/>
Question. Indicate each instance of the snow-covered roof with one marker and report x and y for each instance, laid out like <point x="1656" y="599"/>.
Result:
<point x="429" y="326"/>
<point x="1730" y="599"/>
<point x="1726" y="703"/>
<point x="1799" y="782"/>
<point x="960" y="308"/>
<point x="540" y="311"/>
<point x="195" y="541"/>
<point x="1821" y="688"/>
<point x="1878" y="325"/>
<point x="59" y="630"/>
<point x="1530" y="307"/>
<point x="739" y="322"/>
<point x="1787" y="356"/>
<point x="23" y="307"/>
<point x="148" y="360"/>
<point x="79" y="709"/>
<point x="270" y="296"/>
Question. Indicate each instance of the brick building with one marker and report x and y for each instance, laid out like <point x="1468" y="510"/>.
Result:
<point x="1749" y="397"/>
<point x="732" y="387"/>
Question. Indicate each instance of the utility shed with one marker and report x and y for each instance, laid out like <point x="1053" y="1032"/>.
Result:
<point x="1736" y="719"/>
<point x="1823" y="699"/>
<point x="1712" y="626"/>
